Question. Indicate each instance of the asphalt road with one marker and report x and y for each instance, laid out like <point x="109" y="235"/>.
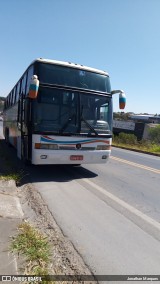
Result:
<point x="133" y="177"/>
<point x="111" y="212"/>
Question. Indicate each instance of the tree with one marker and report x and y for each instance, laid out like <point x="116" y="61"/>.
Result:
<point x="121" y="115"/>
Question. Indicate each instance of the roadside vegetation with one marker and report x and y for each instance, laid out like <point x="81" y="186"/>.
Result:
<point x="12" y="176"/>
<point x="155" y="134"/>
<point x="35" y="247"/>
<point x="8" y="170"/>
<point x="152" y="145"/>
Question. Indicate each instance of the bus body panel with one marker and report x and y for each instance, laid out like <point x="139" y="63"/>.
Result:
<point x="67" y="150"/>
<point x="10" y="125"/>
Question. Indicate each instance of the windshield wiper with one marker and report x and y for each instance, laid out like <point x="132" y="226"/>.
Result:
<point x="89" y="126"/>
<point x="86" y="122"/>
<point x="67" y="123"/>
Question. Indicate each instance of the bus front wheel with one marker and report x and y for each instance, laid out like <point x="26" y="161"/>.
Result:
<point x="7" y="136"/>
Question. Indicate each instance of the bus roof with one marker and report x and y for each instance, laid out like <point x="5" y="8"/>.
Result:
<point x="69" y="64"/>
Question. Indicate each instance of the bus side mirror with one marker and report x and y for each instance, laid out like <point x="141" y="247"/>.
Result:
<point x="122" y="98"/>
<point x="33" y="88"/>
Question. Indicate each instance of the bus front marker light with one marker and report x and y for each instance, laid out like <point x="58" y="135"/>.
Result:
<point x="43" y="156"/>
<point x="37" y="145"/>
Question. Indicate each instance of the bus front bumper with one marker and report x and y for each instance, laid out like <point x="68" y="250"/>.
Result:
<point x="63" y="157"/>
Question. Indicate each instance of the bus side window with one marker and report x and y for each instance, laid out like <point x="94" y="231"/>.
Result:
<point x="30" y="74"/>
<point x="24" y="84"/>
<point x="6" y="103"/>
<point x="10" y="98"/>
<point x="20" y="88"/>
<point x="13" y="96"/>
<point x="17" y="91"/>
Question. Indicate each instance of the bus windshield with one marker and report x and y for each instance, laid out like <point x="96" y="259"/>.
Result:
<point x="73" y="77"/>
<point x="70" y="112"/>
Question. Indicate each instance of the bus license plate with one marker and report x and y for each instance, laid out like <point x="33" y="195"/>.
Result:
<point x="76" y="158"/>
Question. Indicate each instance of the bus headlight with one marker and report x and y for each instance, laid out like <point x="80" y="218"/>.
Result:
<point x="104" y="147"/>
<point x="53" y="146"/>
<point x="46" y="146"/>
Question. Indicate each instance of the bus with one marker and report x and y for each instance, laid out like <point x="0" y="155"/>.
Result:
<point x="60" y="113"/>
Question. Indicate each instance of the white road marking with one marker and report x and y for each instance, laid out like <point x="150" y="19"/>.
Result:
<point x="130" y="208"/>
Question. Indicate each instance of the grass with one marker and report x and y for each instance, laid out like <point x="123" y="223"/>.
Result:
<point x="8" y="169"/>
<point x="155" y="149"/>
<point x="152" y="148"/>
<point x="12" y="176"/>
<point x="35" y="247"/>
<point x="130" y="141"/>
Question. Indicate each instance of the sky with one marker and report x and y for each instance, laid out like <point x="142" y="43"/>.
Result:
<point x="121" y="37"/>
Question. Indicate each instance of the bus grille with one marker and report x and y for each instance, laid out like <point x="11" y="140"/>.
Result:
<point x="63" y="147"/>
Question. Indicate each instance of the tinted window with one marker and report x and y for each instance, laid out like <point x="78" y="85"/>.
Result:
<point x="24" y="83"/>
<point x="13" y="96"/>
<point x="66" y="76"/>
<point x="63" y="111"/>
<point x="17" y="92"/>
<point x="11" y="100"/>
<point x="29" y="76"/>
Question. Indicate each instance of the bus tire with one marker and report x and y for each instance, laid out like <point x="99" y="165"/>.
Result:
<point x="7" y="137"/>
<point x="26" y="162"/>
<point x="24" y="155"/>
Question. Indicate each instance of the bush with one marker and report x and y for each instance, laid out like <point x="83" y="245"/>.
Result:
<point x="154" y="134"/>
<point x="156" y="148"/>
<point x="125" y="138"/>
<point x="130" y="141"/>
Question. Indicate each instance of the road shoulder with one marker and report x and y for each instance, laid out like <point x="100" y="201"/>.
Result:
<point x="19" y="204"/>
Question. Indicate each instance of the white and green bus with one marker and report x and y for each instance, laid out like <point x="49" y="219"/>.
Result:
<point x="60" y="113"/>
